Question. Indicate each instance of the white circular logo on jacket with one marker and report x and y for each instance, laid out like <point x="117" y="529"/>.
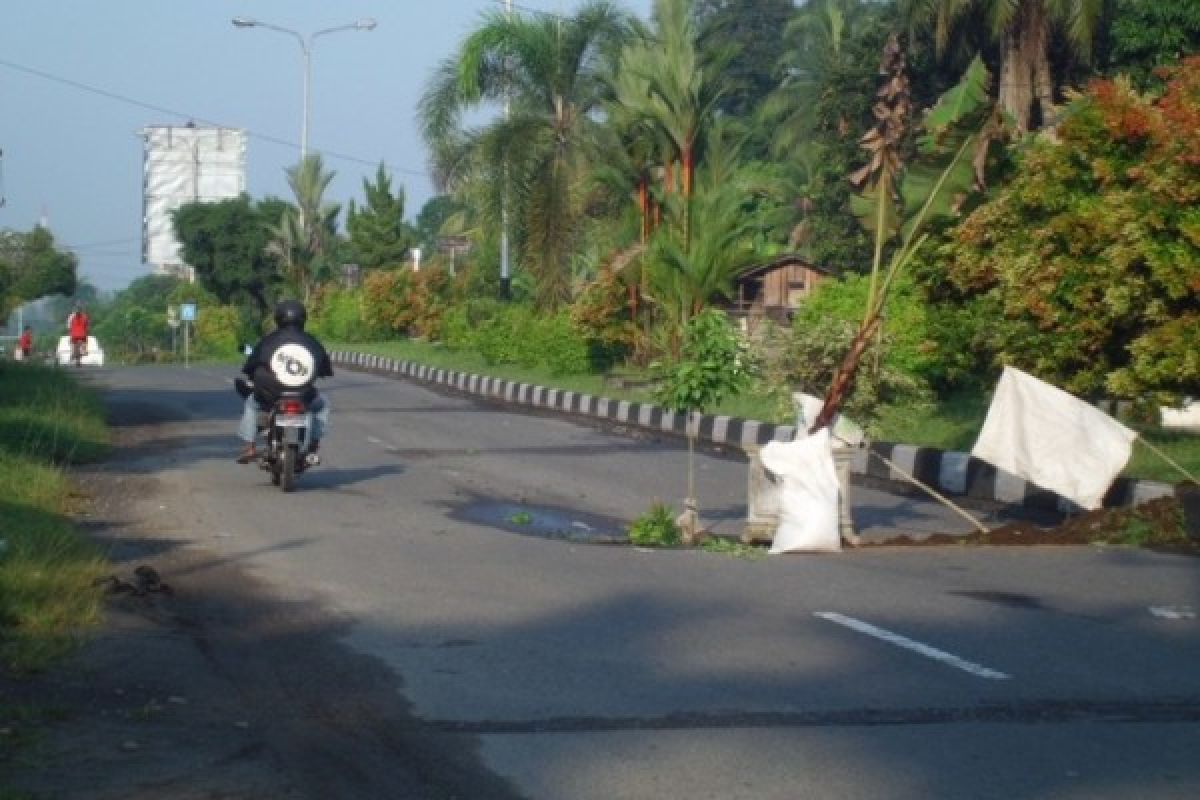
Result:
<point x="293" y="365"/>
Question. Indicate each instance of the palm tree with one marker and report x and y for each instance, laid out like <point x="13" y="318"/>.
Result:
<point x="550" y="71"/>
<point x="677" y="97"/>
<point x="306" y="237"/>
<point x="1023" y="29"/>
<point x="687" y="272"/>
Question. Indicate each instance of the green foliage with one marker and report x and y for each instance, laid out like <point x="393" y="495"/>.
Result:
<point x="655" y="528"/>
<point x="305" y="237"/>
<point x="730" y="547"/>
<point x="743" y="39"/>
<point x="909" y="349"/>
<point x="32" y="266"/>
<point x="1085" y="270"/>
<point x="1145" y="35"/>
<point x="134" y="324"/>
<point x="817" y="349"/>
<point x="337" y="314"/>
<point x="47" y="568"/>
<point x="226" y="242"/>
<point x="711" y="369"/>
<point x="219" y="331"/>
<point x="406" y="302"/>
<point x="379" y="236"/>
<point x="532" y="162"/>
<point x="432" y="217"/>
<point x="519" y="335"/>
<point x="828" y="89"/>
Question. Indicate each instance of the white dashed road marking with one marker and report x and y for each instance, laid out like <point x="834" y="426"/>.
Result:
<point x="1173" y="612"/>
<point x="909" y="644"/>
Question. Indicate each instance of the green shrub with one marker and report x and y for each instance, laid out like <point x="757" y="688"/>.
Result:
<point x="219" y="331"/>
<point x="339" y="315"/>
<point x="561" y="346"/>
<point x="506" y="338"/>
<point x="655" y="528"/>
<point x="457" y="331"/>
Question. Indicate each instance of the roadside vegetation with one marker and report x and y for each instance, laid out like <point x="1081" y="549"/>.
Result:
<point x="975" y="184"/>
<point x="47" y="567"/>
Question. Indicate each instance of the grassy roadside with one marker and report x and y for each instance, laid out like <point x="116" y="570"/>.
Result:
<point x="47" y="568"/>
<point x="952" y="425"/>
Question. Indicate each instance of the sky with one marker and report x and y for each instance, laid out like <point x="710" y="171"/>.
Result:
<point x="80" y="78"/>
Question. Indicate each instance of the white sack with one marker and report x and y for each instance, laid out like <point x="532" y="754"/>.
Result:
<point x="808" y="406"/>
<point x="808" y="502"/>
<point x="1052" y="438"/>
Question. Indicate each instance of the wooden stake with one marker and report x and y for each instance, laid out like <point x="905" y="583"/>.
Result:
<point x="1169" y="460"/>
<point x="950" y="504"/>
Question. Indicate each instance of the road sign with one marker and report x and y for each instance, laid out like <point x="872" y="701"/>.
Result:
<point x="187" y="312"/>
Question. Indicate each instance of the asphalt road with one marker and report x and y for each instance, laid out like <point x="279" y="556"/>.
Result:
<point x="599" y="671"/>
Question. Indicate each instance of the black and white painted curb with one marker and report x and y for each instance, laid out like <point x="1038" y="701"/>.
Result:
<point x="950" y="472"/>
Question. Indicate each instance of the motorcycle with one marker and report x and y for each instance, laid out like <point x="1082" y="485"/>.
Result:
<point x="287" y="419"/>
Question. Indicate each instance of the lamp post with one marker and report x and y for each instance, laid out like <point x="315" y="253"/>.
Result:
<point x="306" y="43"/>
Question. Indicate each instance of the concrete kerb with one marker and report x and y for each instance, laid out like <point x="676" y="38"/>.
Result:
<point x="953" y="473"/>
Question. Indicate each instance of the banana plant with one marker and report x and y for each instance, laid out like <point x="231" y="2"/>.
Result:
<point x="896" y="200"/>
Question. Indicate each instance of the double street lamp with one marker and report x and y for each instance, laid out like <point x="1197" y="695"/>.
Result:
<point x="306" y="43"/>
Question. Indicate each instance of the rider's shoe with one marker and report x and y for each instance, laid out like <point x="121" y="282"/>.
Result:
<point x="248" y="454"/>
<point x="311" y="458"/>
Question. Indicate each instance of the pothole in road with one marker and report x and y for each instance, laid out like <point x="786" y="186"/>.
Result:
<point x="544" y="522"/>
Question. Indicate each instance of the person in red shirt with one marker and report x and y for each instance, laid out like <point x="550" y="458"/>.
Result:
<point x="78" y="326"/>
<point x="25" y="344"/>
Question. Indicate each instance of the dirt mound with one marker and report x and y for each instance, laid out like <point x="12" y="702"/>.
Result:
<point x="1157" y="524"/>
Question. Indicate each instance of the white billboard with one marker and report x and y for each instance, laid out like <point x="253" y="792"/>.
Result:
<point x="185" y="164"/>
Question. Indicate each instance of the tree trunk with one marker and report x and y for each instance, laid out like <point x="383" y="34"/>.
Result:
<point x="1025" y="79"/>
<point x="843" y="379"/>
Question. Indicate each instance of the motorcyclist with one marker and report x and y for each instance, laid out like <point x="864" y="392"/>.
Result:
<point x="78" y="328"/>
<point x="290" y="317"/>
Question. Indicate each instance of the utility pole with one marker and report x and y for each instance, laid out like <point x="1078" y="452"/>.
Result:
<point x="505" y="275"/>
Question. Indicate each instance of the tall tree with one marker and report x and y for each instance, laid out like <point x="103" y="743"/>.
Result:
<point x="432" y="217"/>
<point x="226" y="242"/>
<point x="1023" y="29"/>
<point x="549" y="70"/>
<point x="679" y="97"/>
<point x="830" y="70"/>
<point x="32" y="266"/>
<point x="744" y="40"/>
<point x="379" y="236"/>
<point x="305" y="239"/>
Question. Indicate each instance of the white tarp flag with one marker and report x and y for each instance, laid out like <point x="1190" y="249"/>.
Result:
<point x="1052" y="438"/>
<point x="808" y="502"/>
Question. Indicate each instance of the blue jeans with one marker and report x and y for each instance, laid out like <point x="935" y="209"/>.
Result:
<point x="248" y="427"/>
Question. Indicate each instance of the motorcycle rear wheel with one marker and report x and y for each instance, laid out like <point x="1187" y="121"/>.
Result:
<point x="287" y="470"/>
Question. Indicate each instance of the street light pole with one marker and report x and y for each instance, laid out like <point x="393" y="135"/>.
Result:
<point x="505" y="278"/>
<point x="365" y="24"/>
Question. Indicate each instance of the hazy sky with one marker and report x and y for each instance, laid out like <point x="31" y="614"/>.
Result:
<point x="72" y="72"/>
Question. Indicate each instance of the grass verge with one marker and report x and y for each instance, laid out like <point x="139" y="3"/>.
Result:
<point x="47" y="568"/>
<point x="951" y="424"/>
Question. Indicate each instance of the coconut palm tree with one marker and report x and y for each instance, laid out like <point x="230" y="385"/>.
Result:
<point x="550" y="72"/>
<point x="1023" y="30"/>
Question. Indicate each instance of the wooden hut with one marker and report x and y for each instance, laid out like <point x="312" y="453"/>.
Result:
<point x="776" y="288"/>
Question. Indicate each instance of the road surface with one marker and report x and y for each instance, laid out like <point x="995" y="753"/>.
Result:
<point x="579" y="671"/>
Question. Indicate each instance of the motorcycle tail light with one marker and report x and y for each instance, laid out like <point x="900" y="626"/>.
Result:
<point x="291" y="407"/>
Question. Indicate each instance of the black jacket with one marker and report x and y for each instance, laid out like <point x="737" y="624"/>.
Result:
<point x="267" y="387"/>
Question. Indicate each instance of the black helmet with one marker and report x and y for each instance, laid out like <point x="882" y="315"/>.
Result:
<point x="290" y="313"/>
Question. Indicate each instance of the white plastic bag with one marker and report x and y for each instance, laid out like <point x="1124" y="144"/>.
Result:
<point x="808" y="506"/>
